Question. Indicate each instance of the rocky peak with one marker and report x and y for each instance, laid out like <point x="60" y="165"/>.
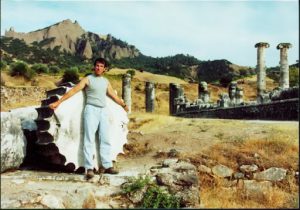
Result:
<point x="71" y="37"/>
<point x="64" y="33"/>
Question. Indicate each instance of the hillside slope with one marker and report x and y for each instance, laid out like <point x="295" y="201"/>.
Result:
<point x="138" y="88"/>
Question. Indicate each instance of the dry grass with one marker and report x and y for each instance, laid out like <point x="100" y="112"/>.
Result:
<point x="47" y="81"/>
<point x="147" y="76"/>
<point x="221" y="197"/>
<point x="275" y="152"/>
<point x="136" y="149"/>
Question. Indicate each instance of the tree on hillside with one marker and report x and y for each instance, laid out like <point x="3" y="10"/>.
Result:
<point x="3" y="65"/>
<point x="294" y="76"/>
<point x="226" y="79"/>
<point x="131" y="72"/>
<point x="21" y="69"/>
<point x="210" y="71"/>
<point x="40" y="68"/>
<point x="71" y="75"/>
<point x="53" y="69"/>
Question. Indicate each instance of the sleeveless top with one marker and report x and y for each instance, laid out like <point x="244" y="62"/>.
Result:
<point x="96" y="91"/>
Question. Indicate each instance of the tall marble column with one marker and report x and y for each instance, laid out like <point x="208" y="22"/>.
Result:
<point x="126" y="90"/>
<point x="232" y="92"/>
<point x="203" y="93"/>
<point x="261" y="68"/>
<point x="150" y="96"/>
<point x="174" y="92"/>
<point x="284" y="81"/>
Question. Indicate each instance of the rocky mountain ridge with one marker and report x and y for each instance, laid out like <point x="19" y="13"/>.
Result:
<point x="72" y="38"/>
<point x="67" y="44"/>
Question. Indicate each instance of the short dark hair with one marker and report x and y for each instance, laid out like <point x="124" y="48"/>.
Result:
<point x="101" y="60"/>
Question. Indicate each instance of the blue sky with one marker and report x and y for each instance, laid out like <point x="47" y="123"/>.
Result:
<point x="208" y="30"/>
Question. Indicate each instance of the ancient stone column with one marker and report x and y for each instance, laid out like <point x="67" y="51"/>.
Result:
<point x="201" y="88"/>
<point x="284" y="65"/>
<point x="203" y="93"/>
<point x="126" y="90"/>
<point x="150" y="96"/>
<point x="224" y="100"/>
<point x="239" y="94"/>
<point x="174" y="92"/>
<point x="260" y="68"/>
<point x="232" y="92"/>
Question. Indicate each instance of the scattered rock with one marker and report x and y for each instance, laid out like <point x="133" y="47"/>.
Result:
<point x="205" y="169"/>
<point x="169" y="162"/>
<point x="183" y="166"/>
<point x="222" y="171"/>
<point x="271" y="174"/>
<point x="187" y="180"/>
<point x="173" y="153"/>
<point x="189" y="197"/>
<point x="238" y="175"/>
<point x="52" y="202"/>
<point x="181" y="178"/>
<point x="254" y="189"/>
<point x="137" y="196"/>
<point x="249" y="168"/>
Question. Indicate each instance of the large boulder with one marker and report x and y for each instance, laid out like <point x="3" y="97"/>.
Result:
<point x="13" y="141"/>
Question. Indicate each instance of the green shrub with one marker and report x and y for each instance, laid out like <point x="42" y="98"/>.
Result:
<point x="131" y="72"/>
<point x="3" y="65"/>
<point x="294" y="76"/>
<point x="53" y="69"/>
<point x="85" y="68"/>
<point x="244" y="73"/>
<point x="154" y="197"/>
<point x="30" y="74"/>
<point x="71" y="75"/>
<point x="225" y="80"/>
<point x="40" y="68"/>
<point x="136" y="184"/>
<point x="21" y="69"/>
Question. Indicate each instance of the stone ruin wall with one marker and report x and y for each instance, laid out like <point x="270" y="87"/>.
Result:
<point x="277" y="110"/>
<point x="21" y="95"/>
<point x="280" y="104"/>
